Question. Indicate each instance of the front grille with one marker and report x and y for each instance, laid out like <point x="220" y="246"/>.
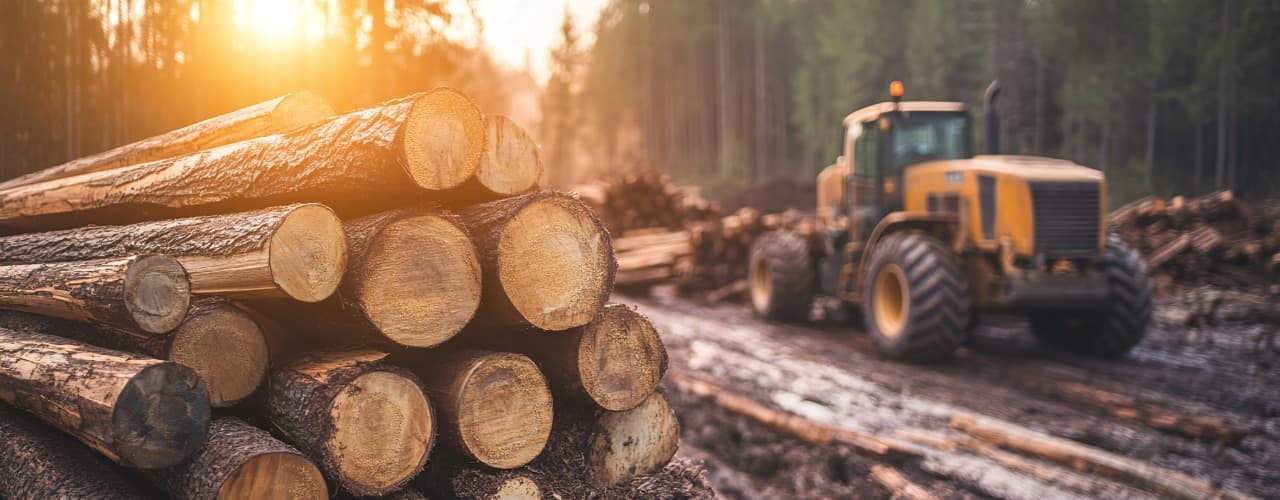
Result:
<point x="1066" y="217"/>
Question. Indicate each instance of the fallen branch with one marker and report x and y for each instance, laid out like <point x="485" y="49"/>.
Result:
<point x="895" y="482"/>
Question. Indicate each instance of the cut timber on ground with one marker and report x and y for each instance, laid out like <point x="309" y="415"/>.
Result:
<point x="148" y="293"/>
<point x="901" y="487"/>
<point x="401" y="150"/>
<point x="137" y="411"/>
<point x="412" y="280"/>
<point x="296" y="251"/>
<point x="546" y="258"/>
<point x="222" y="343"/>
<point x="511" y="164"/>
<point x="494" y="407"/>
<point x="366" y="423"/>
<point x="466" y="481"/>
<point x="278" y="115"/>
<point x="1087" y="458"/>
<point x="239" y="461"/>
<point x="615" y="361"/>
<point x="611" y="448"/>
<point x="40" y="462"/>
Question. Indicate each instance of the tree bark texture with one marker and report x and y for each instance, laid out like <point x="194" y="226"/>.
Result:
<point x="366" y="423"/>
<point x="547" y="261"/>
<point x="148" y="293"/>
<point x="137" y="411"/>
<point x="40" y="462"/>
<point x="240" y="461"/>
<point x="295" y="251"/>
<point x="223" y="344"/>
<point x="275" y="116"/>
<point x="362" y="160"/>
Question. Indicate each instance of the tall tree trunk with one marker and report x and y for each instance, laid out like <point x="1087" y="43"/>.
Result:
<point x="1197" y="179"/>
<point x="1150" y="157"/>
<point x="759" y="104"/>
<point x="1220" y="163"/>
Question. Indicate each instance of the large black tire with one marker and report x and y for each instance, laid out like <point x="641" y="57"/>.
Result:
<point x="914" y="299"/>
<point x="1112" y="331"/>
<point x="780" y="277"/>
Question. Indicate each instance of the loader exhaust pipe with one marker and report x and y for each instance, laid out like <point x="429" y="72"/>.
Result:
<point x="993" y="118"/>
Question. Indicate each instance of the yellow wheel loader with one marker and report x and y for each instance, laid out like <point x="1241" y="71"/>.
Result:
<point x="921" y="234"/>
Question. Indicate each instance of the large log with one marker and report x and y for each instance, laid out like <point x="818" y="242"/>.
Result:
<point x="137" y="411"/>
<point x="277" y="115"/>
<point x="361" y="160"/>
<point x="297" y="251"/>
<point x="510" y="165"/>
<point x="412" y="280"/>
<point x="615" y="361"/>
<point x="40" y="462"/>
<point x="607" y="448"/>
<point x="148" y="293"/>
<point x="367" y="424"/>
<point x="240" y="461"/>
<point x="495" y="407"/>
<point x="547" y="260"/>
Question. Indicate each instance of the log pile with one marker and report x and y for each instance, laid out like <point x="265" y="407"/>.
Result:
<point x="648" y="199"/>
<point x="378" y="303"/>
<point x="1216" y="239"/>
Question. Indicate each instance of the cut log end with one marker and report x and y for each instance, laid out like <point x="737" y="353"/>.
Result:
<point x="420" y="281"/>
<point x="520" y="488"/>
<point x="298" y="109"/>
<point x="504" y="411"/>
<point x="161" y="416"/>
<point x="443" y="139"/>
<point x="511" y="164"/>
<point x="384" y="430"/>
<point x="227" y="349"/>
<point x="309" y="253"/>
<point x="554" y="263"/>
<point x="620" y="358"/>
<point x="157" y="293"/>
<point x="633" y="442"/>
<point x="275" y="475"/>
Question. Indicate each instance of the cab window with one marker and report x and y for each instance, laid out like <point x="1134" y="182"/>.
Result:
<point x="866" y="150"/>
<point x="921" y="137"/>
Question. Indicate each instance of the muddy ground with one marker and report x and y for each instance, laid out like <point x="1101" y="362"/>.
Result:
<point x="827" y="371"/>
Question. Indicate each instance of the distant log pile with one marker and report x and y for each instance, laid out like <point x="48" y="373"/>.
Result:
<point x="1216" y="239"/>
<point x="323" y="278"/>
<point x="648" y="199"/>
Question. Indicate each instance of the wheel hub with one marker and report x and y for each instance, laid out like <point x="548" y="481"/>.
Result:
<point x="761" y="283"/>
<point x="891" y="300"/>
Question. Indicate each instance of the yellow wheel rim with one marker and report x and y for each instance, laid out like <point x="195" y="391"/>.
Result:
<point x="891" y="301"/>
<point x="761" y="283"/>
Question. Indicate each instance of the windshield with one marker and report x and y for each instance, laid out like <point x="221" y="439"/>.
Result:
<point x="921" y="137"/>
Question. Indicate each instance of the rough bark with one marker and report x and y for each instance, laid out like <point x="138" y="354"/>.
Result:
<point x="400" y="150"/>
<point x="240" y="461"/>
<point x="147" y="293"/>
<point x="275" y="116"/>
<point x="367" y="424"/>
<point x="511" y="164"/>
<point x="494" y="407"/>
<point x="547" y="261"/>
<point x="40" y="462"/>
<point x="412" y="280"/>
<point x="614" y="362"/>
<point x="137" y="411"/>
<point x="295" y="251"/>
<point x="609" y="448"/>
<point x="222" y="343"/>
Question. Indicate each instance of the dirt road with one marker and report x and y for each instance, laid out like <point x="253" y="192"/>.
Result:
<point x="828" y="372"/>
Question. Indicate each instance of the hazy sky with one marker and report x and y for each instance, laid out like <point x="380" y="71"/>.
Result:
<point x="516" y="27"/>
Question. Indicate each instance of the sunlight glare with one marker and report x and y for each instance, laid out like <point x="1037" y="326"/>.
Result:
<point x="275" y="20"/>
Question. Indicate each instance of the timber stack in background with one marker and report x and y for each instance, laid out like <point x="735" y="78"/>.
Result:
<point x="281" y="302"/>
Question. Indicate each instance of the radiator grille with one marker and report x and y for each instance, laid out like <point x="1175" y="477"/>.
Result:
<point x="1066" y="217"/>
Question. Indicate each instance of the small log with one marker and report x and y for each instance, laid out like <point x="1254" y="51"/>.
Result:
<point x="296" y="251"/>
<point x="367" y="424"/>
<point x="495" y="407"/>
<point x="546" y="258"/>
<point x="1087" y="458"/>
<point x="1046" y="473"/>
<point x="148" y="293"/>
<point x="278" y="115"/>
<point x="362" y="160"/>
<point x="511" y="164"/>
<point x="615" y="361"/>
<point x="468" y="481"/>
<point x="1162" y="255"/>
<point x="412" y="280"/>
<point x="607" y="448"/>
<point x="899" y="485"/>
<point x="40" y="462"/>
<point x="222" y="343"/>
<point x="239" y="461"/>
<point x="139" y="412"/>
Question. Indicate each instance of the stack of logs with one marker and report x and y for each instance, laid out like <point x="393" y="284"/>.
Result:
<point x="1216" y="239"/>
<point x="645" y="200"/>
<point x="283" y="302"/>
